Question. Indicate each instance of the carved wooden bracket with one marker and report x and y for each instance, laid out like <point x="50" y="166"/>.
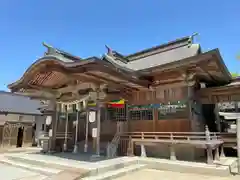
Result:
<point x="189" y="78"/>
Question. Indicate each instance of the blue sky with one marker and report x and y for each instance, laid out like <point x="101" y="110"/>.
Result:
<point x="84" y="27"/>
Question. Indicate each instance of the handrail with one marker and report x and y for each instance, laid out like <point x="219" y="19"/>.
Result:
<point x="188" y="137"/>
<point x="112" y="146"/>
<point x="171" y="137"/>
<point x="186" y="133"/>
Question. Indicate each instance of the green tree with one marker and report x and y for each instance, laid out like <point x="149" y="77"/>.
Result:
<point x="235" y="74"/>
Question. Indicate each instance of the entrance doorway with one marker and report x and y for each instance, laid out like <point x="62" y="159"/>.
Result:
<point x="20" y="136"/>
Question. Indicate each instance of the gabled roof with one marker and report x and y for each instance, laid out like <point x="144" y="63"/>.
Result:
<point x="64" y="56"/>
<point x="18" y="104"/>
<point x="158" y="55"/>
<point x="162" y="47"/>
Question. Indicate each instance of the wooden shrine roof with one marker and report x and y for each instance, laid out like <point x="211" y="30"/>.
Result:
<point x="227" y="93"/>
<point x="58" y="70"/>
<point x="60" y="78"/>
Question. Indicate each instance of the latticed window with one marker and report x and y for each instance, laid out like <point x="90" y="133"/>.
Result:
<point x="176" y="110"/>
<point x="146" y="114"/>
<point x="115" y="114"/>
<point x="141" y="112"/>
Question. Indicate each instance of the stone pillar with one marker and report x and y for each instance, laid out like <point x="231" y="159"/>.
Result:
<point x="222" y="154"/>
<point x="209" y="149"/>
<point x="143" y="150"/>
<point x="172" y="150"/>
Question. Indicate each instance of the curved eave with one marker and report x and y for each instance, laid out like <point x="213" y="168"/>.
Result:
<point x="200" y="59"/>
<point x="51" y="63"/>
<point x="43" y="62"/>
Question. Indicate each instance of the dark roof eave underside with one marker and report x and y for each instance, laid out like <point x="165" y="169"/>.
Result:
<point x="192" y="60"/>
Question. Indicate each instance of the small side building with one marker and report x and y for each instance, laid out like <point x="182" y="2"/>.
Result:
<point x="20" y="120"/>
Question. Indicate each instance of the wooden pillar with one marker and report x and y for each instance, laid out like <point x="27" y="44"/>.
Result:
<point x="190" y="92"/>
<point x="98" y="128"/>
<point x="86" y="132"/>
<point x="155" y="119"/>
<point x="54" y="122"/>
<point x="66" y="131"/>
<point x="75" y="150"/>
<point x="218" y="120"/>
<point x="127" y="118"/>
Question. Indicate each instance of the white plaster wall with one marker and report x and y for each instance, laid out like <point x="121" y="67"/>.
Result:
<point x="15" y="117"/>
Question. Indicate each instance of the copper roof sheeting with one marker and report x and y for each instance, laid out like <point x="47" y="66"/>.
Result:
<point x="131" y="68"/>
<point x="158" y="55"/>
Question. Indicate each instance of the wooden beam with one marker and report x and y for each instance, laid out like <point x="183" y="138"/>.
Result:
<point x="39" y="94"/>
<point x="183" y="64"/>
<point x="120" y="73"/>
<point x="75" y="88"/>
<point x="111" y="82"/>
<point x="170" y="84"/>
<point x="205" y="71"/>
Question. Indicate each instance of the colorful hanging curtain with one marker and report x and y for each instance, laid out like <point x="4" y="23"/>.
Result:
<point x="117" y="103"/>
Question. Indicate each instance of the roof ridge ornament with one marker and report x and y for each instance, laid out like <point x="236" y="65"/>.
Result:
<point x="50" y="49"/>
<point x="191" y="38"/>
<point x="109" y="50"/>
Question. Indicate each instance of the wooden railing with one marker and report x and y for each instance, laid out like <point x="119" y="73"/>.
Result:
<point x="229" y="139"/>
<point x="205" y="140"/>
<point x="113" y="146"/>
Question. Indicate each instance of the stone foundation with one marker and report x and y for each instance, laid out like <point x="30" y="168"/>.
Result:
<point x="182" y="152"/>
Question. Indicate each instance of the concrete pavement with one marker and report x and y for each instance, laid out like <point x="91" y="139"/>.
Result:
<point x="151" y="174"/>
<point x="13" y="173"/>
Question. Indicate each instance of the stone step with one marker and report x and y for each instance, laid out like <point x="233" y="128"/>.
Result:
<point x="36" y="168"/>
<point x="51" y="164"/>
<point x="28" y="161"/>
<point x="112" y="165"/>
<point x="116" y="173"/>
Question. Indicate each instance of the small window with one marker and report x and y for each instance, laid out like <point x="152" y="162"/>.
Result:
<point x="43" y="125"/>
